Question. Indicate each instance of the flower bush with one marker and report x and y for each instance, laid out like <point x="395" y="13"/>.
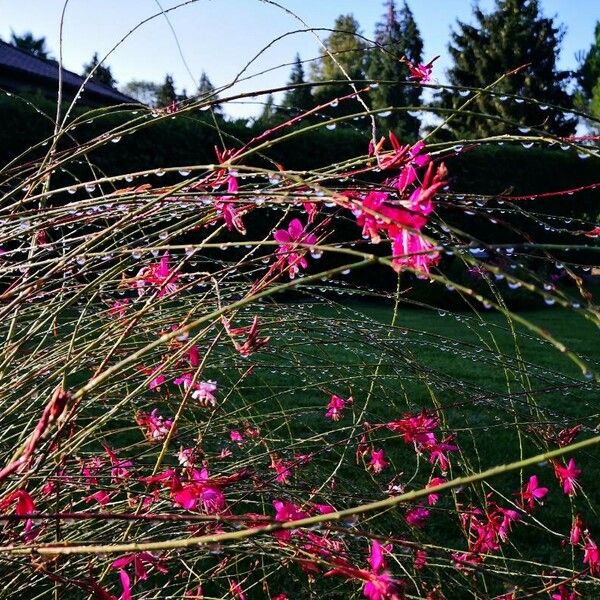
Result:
<point x="177" y="424"/>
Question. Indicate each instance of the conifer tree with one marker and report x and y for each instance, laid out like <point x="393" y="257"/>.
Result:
<point x="298" y="99"/>
<point x="206" y="90"/>
<point x="29" y="43"/>
<point x="514" y="35"/>
<point x="588" y="77"/>
<point x="166" y="94"/>
<point x="102" y="74"/>
<point x="396" y="37"/>
<point x="345" y="50"/>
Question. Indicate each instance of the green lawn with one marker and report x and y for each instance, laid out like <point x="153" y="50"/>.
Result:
<point x="493" y="381"/>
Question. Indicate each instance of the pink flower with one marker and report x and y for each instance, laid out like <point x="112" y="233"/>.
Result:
<point x="287" y="511"/>
<point x="412" y="251"/>
<point x="101" y="497"/>
<point x="421" y="72"/>
<point x="438" y="452"/>
<point x="194" y="356"/>
<point x="118" y="308"/>
<point x="421" y="200"/>
<point x="252" y="342"/>
<point x="156" y="428"/>
<point x="564" y="593"/>
<point x="532" y="492"/>
<point x="591" y="556"/>
<point x="433" y="498"/>
<point x="186" y="457"/>
<point x="159" y="275"/>
<point x="417" y="428"/>
<point x="157" y="381"/>
<point x="288" y="245"/>
<point x="380" y="585"/>
<point x="202" y="492"/>
<point x="567" y="476"/>
<point x="226" y="208"/>
<point x="377" y="462"/>
<point x="138" y="560"/>
<point x="508" y="516"/>
<point x="236" y="590"/>
<point x="378" y="215"/>
<point x="420" y="559"/>
<point x="417" y="517"/>
<point x="576" y="530"/>
<point x="22" y="501"/>
<point x="120" y="468"/>
<point x="336" y="406"/>
<point x="204" y="393"/>
<point x="236" y="436"/>
<point x="282" y="469"/>
<point x="414" y="160"/>
<point x="90" y="469"/>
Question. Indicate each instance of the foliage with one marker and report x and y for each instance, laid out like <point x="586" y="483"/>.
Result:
<point x="517" y="43"/>
<point x="102" y="73"/>
<point x="196" y="405"/>
<point x="343" y="58"/>
<point x="588" y="76"/>
<point x="29" y="43"/>
<point x="298" y="98"/>
<point x="166" y="94"/>
<point x="207" y="92"/>
<point x="144" y="91"/>
<point x="397" y="38"/>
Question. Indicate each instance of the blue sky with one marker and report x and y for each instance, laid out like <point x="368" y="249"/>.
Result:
<point x="220" y="36"/>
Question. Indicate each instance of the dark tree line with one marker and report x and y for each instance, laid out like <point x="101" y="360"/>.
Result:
<point x="514" y="42"/>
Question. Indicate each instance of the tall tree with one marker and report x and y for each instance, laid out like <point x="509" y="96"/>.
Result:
<point x="206" y="90"/>
<point x="297" y="99"/>
<point x="102" y="73"/>
<point x="166" y="94"/>
<point x="268" y="114"/>
<point x="515" y="34"/>
<point x="396" y="37"/>
<point x="344" y="57"/>
<point x="143" y="91"/>
<point x="588" y="77"/>
<point x="31" y="44"/>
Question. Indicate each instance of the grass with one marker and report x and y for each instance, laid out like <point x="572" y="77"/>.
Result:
<point x="493" y="382"/>
<point x="489" y="379"/>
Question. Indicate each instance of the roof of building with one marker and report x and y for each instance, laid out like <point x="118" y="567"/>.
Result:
<point x="44" y="71"/>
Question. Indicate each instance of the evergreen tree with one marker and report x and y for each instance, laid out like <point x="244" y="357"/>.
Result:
<point x="206" y="90"/>
<point x="515" y="34"/>
<point x="143" y="91"/>
<point x="396" y="37"/>
<point x="102" y="74"/>
<point x="29" y="43"/>
<point x="268" y="116"/>
<point x="298" y="99"/>
<point x="345" y="49"/>
<point x="166" y="94"/>
<point x="588" y="77"/>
